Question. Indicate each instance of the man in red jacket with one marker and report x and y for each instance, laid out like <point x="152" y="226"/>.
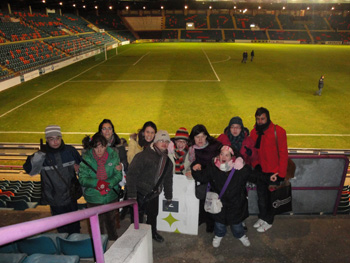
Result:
<point x="271" y="142"/>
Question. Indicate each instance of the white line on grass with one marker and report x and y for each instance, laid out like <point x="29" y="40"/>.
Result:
<point x="15" y="108"/>
<point x="127" y="133"/>
<point x="211" y="65"/>
<point x="141" y="58"/>
<point x="229" y="57"/>
<point x="145" y="80"/>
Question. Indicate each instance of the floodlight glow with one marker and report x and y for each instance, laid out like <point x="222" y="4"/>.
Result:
<point x="245" y="10"/>
<point x="162" y="7"/>
<point x="74" y="5"/>
<point x="127" y="8"/>
<point x="234" y="7"/>
<point x="210" y="7"/>
<point x="259" y="7"/>
<point x="84" y="6"/>
<point x="44" y="1"/>
<point x="332" y="7"/>
<point x="144" y="8"/>
<point x="61" y="3"/>
<point x="283" y="7"/>
<point x="96" y="7"/>
<point x="110" y="7"/>
<point x="186" y="6"/>
<point x="308" y="8"/>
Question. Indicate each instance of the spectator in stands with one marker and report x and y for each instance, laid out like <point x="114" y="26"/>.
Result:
<point x="237" y="136"/>
<point x="245" y="57"/>
<point x="251" y="56"/>
<point x="203" y="148"/>
<point x="178" y="149"/>
<point x="320" y="86"/>
<point x="234" y="199"/>
<point x="272" y="162"/>
<point x="141" y="140"/>
<point x="149" y="172"/>
<point x="100" y="177"/>
<point x="56" y="161"/>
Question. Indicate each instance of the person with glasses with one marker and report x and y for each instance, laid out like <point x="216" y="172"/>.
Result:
<point x="178" y="149"/>
<point x="150" y="172"/>
<point x="203" y="148"/>
<point x="56" y="161"/>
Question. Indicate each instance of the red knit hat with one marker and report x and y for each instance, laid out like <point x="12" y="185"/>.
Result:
<point x="181" y="134"/>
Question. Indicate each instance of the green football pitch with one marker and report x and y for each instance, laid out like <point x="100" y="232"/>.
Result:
<point x="183" y="84"/>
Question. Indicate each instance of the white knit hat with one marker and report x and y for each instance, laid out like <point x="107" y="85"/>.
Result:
<point x="53" y="130"/>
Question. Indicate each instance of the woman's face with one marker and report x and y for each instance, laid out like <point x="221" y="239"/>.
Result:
<point x="100" y="149"/>
<point x="200" y="139"/>
<point x="180" y="144"/>
<point x="107" y="131"/>
<point x="225" y="156"/>
<point x="235" y="129"/>
<point x="149" y="134"/>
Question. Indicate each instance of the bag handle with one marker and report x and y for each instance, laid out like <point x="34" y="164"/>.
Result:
<point x="227" y="182"/>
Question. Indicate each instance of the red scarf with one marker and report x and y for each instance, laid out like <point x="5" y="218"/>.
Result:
<point x="179" y="159"/>
<point x="101" y="161"/>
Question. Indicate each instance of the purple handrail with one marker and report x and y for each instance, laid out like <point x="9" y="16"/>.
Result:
<point x="16" y="232"/>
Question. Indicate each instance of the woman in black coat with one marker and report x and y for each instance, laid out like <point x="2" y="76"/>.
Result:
<point x="234" y="199"/>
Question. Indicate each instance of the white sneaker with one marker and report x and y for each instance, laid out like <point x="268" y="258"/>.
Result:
<point x="259" y="223"/>
<point x="245" y="241"/>
<point x="264" y="227"/>
<point x="217" y="241"/>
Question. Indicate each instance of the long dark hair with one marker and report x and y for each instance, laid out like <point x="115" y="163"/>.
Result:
<point x="200" y="128"/>
<point x="141" y="136"/>
<point x="116" y="137"/>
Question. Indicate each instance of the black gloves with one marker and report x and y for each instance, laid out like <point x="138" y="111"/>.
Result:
<point x="42" y="146"/>
<point x="248" y="151"/>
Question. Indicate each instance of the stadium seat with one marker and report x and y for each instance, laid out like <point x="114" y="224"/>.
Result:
<point x="5" y="198"/>
<point x="40" y="244"/>
<point x="79" y="244"/>
<point x="40" y="258"/>
<point x="12" y="257"/>
<point x="3" y="204"/>
<point x="21" y="204"/>
<point x="9" y="248"/>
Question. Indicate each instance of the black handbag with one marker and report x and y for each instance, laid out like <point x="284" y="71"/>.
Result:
<point x="281" y="199"/>
<point x="200" y="191"/>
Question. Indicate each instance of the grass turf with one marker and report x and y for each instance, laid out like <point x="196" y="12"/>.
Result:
<point x="183" y="84"/>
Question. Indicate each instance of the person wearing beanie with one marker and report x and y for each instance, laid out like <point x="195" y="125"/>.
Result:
<point x="237" y="136"/>
<point x="177" y="150"/>
<point x="145" y="171"/>
<point x="55" y="191"/>
<point x="234" y="200"/>
<point x="271" y="142"/>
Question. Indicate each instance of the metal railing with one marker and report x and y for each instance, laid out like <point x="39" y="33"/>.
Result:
<point x="19" y="231"/>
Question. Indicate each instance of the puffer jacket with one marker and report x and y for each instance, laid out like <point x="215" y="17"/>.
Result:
<point x="88" y="179"/>
<point x="143" y="174"/>
<point x="234" y="200"/>
<point x="54" y="191"/>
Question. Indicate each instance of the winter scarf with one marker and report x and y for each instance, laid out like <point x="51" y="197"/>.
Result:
<point x="236" y="163"/>
<point x="191" y="152"/>
<point x="260" y="131"/>
<point x="179" y="159"/>
<point x="161" y="166"/>
<point x="236" y="142"/>
<point x="101" y="161"/>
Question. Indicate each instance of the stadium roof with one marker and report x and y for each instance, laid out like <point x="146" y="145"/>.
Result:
<point x="178" y="4"/>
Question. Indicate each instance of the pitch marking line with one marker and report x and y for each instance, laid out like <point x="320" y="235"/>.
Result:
<point x="229" y="57"/>
<point x="15" y="108"/>
<point x="211" y="65"/>
<point x="147" y="80"/>
<point x="128" y="133"/>
<point x="141" y="58"/>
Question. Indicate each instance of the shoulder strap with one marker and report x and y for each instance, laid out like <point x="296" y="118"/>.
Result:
<point x="88" y="165"/>
<point x="227" y="182"/>
<point x="56" y="170"/>
<point x="278" y="152"/>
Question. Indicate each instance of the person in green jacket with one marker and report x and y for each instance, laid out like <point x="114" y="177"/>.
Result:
<point x="101" y="180"/>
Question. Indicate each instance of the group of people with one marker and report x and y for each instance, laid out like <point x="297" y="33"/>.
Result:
<point x="245" y="56"/>
<point x="147" y="169"/>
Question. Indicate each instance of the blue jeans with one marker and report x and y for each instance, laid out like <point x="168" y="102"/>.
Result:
<point x="237" y="230"/>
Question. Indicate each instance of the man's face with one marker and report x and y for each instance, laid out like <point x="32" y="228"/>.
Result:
<point x="100" y="149"/>
<point x="261" y="120"/>
<point x="162" y="145"/>
<point x="54" y="142"/>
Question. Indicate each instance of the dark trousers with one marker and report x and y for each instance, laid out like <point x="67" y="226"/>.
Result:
<point x="58" y="210"/>
<point x="264" y="197"/>
<point x="108" y="222"/>
<point x="150" y="209"/>
<point x="205" y="216"/>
